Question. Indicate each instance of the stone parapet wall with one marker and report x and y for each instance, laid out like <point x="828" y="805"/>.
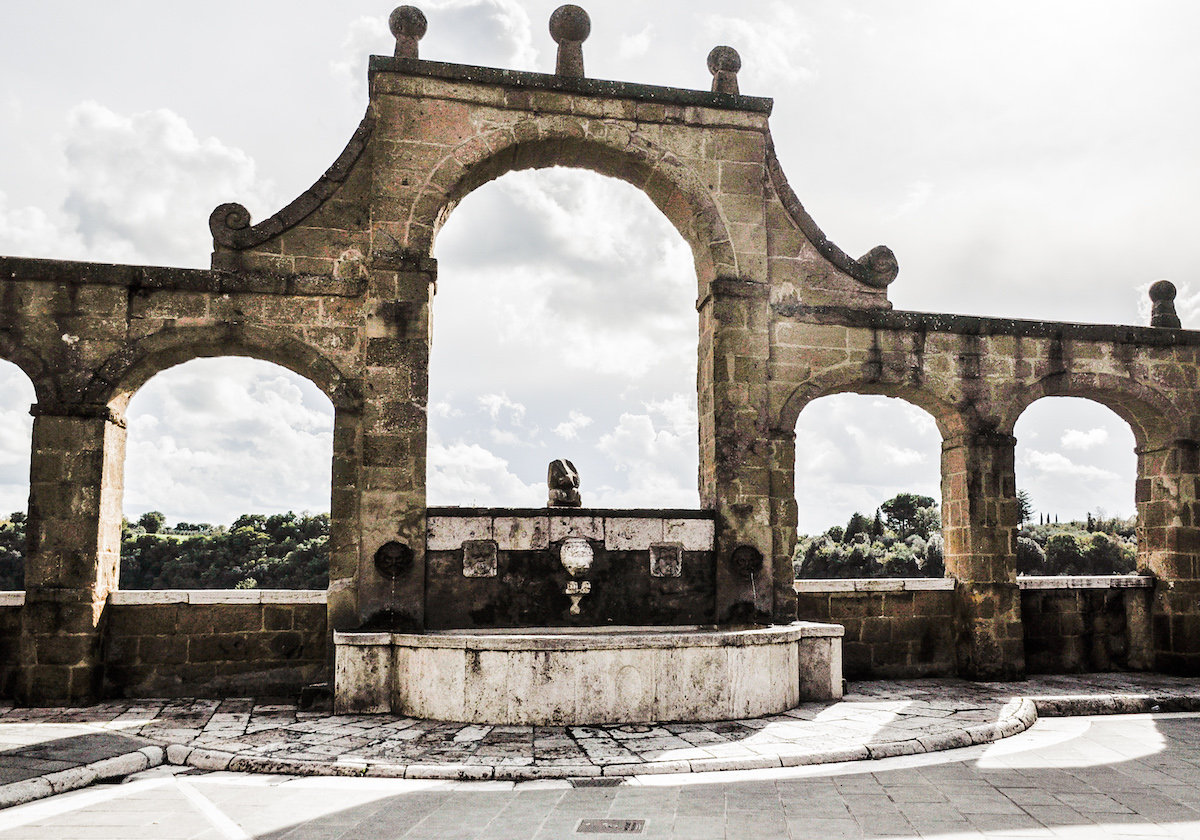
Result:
<point x="1087" y="624"/>
<point x="213" y="643"/>
<point x="895" y="628"/>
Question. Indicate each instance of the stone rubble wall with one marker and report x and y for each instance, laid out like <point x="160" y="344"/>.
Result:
<point x="895" y="629"/>
<point x="214" y="643"/>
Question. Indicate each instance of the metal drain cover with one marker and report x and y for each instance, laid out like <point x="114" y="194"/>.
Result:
<point x="596" y="781"/>
<point x="610" y="826"/>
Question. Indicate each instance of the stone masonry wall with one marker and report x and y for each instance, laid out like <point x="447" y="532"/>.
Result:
<point x="10" y="641"/>
<point x="895" y="629"/>
<point x="205" y="644"/>
<point x="1084" y="625"/>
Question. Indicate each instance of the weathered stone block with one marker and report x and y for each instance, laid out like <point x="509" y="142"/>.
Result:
<point x="448" y="533"/>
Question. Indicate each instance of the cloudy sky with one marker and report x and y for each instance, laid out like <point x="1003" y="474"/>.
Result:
<point x="1032" y="159"/>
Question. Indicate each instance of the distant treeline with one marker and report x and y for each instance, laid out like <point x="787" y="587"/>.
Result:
<point x="281" y="551"/>
<point x="904" y="539"/>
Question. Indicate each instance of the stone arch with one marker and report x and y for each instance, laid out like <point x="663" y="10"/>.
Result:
<point x="128" y="370"/>
<point x="47" y="387"/>
<point x="1155" y="420"/>
<point x="949" y="420"/>
<point x="604" y="148"/>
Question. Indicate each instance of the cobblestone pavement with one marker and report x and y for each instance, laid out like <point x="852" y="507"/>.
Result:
<point x="1093" y="778"/>
<point x="47" y="751"/>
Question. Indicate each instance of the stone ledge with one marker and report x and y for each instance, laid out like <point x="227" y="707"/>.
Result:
<point x="936" y="322"/>
<point x="1085" y="582"/>
<point x="533" y="529"/>
<point x="145" y="597"/>
<point x="568" y="84"/>
<point x="153" y="278"/>
<point x="810" y="586"/>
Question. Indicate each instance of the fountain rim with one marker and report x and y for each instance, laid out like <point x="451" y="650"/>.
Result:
<point x="600" y="637"/>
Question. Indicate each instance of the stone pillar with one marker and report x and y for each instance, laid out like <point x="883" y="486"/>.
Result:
<point x="735" y="453"/>
<point x="784" y="518"/>
<point x="979" y="527"/>
<point x="1168" y="507"/>
<point x="392" y="434"/>
<point x="73" y="551"/>
<point x="344" y="531"/>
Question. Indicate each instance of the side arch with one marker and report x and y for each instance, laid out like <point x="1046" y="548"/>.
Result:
<point x="950" y="421"/>
<point x="1154" y="418"/>
<point x="131" y="368"/>
<point x="47" y="386"/>
<point x="604" y="148"/>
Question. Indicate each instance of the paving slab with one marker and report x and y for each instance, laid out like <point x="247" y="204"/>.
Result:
<point x="45" y="751"/>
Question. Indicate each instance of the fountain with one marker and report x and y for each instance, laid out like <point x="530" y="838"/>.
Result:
<point x="564" y="614"/>
<point x="571" y="616"/>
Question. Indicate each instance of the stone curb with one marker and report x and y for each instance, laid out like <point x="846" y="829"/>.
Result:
<point x="74" y="778"/>
<point x="1114" y="704"/>
<point x="1016" y="716"/>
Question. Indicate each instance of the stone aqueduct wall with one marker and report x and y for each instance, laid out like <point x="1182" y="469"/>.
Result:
<point x="339" y="287"/>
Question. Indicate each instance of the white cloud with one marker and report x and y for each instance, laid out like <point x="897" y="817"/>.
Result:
<point x="1187" y="304"/>
<point x="569" y="429"/>
<point x="658" y="459"/>
<point x="444" y="408"/>
<point x="496" y="33"/>
<point x="637" y="44"/>
<point x="16" y="429"/>
<point x="504" y="437"/>
<point x="568" y="264"/>
<point x="214" y="438"/>
<point x="854" y="452"/>
<point x="1075" y="439"/>
<point x="32" y="231"/>
<point x="915" y="199"/>
<point x="495" y="403"/>
<point x="469" y="474"/>
<point x="772" y="44"/>
<point x="1057" y="463"/>
<point x="365" y="36"/>
<point x="139" y="189"/>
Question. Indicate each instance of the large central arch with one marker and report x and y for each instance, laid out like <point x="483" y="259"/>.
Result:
<point x="602" y="148"/>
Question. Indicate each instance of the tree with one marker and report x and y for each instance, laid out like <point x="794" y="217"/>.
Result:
<point x="152" y="521"/>
<point x="1025" y="509"/>
<point x="12" y="552"/>
<point x="1106" y="556"/>
<point x="903" y="513"/>
<point x="1064" y="555"/>
<point x="858" y="524"/>
<point x="1031" y="560"/>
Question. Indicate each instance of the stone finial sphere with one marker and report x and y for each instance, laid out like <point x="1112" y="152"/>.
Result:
<point x="1162" y="290"/>
<point x="407" y="22"/>
<point x="570" y="23"/>
<point x="724" y="58"/>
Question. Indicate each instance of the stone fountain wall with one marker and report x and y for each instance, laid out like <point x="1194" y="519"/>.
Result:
<point x="502" y="568"/>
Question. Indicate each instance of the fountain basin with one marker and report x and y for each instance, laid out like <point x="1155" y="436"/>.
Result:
<point x="588" y="675"/>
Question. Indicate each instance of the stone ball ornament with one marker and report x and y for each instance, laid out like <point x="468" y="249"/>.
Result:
<point x="724" y="58"/>
<point x="570" y="23"/>
<point x="1162" y="306"/>
<point x="408" y="22"/>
